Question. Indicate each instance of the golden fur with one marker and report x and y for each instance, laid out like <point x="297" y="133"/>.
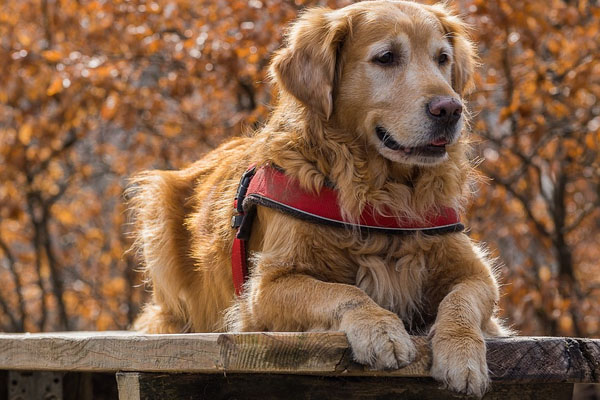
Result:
<point x="307" y="277"/>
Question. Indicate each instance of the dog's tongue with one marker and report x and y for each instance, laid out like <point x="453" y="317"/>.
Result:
<point x="439" y="142"/>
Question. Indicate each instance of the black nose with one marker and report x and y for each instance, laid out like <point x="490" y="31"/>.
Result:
<point x="445" y="109"/>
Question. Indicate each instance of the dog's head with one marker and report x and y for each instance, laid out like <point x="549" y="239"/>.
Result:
<point x="390" y="72"/>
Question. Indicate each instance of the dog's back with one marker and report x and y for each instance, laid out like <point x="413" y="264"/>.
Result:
<point x="175" y="212"/>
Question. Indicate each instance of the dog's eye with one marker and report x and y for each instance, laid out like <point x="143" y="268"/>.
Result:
<point x="386" y="58"/>
<point x="443" y="59"/>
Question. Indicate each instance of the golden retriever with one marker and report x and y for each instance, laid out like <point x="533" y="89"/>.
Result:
<point x="370" y="100"/>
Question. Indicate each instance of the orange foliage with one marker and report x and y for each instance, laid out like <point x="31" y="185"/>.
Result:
<point x="95" y="90"/>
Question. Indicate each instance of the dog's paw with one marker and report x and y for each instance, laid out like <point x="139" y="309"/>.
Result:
<point x="378" y="339"/>
<point x="459" y="362"/>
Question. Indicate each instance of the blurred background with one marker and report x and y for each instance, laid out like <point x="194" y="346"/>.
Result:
<point x="93" y="91"/>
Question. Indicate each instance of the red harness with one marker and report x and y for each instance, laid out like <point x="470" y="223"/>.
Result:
<point x="269" y="187"/>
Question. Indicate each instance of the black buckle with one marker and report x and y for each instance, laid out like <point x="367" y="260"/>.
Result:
<point x="243" y="188"/>
<point x="238" y="219"/>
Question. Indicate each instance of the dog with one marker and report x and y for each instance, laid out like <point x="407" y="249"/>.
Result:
<point x="370" y="105"/>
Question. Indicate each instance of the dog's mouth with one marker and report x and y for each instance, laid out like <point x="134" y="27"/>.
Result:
<point x="436" y="148"/>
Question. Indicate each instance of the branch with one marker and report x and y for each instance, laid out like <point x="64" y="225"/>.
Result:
<point x="37" y="244"/>
<point x="62" y="188"/>
<point x="524" y="203"/>
<point x="20" y="327"/>
<point x="55" y="276"/>
<point x="589" y="209"/>
<point x="591" y="289"/>
<point x="70" y="140"/>
<point x="510" y="83"/>
<point x="584" y="59"/>
<point x="6" y="310"/>
<point x="248" y="90"/>
<point x="46" y="23"/>
<point x="526" y="159"/>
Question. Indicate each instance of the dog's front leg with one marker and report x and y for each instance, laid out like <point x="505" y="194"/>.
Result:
<point x="458" y="346"/>
<point x="282" y="301"/>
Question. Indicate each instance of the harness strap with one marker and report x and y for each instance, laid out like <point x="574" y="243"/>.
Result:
<point x="269" y="187"/>
<point x="239" y="265"/>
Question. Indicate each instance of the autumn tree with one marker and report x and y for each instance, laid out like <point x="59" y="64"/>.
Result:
<point x="538" y="118"/>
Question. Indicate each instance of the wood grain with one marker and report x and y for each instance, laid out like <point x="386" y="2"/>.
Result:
<point x="156" y="386"/>
<point x="129" y="385"/>
<point x="518" y="359"/>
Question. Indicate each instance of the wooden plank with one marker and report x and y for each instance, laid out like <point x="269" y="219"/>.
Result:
<point x="266" y="352"/>
<point x="129" y="386"/>
<point x="542" y="359"/>
<point x="518" y="359"/>
<point x="153" y="386"/>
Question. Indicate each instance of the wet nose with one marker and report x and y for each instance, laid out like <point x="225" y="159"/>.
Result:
<point x="445" y="109"/>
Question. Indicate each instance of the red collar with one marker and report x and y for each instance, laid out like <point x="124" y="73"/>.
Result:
<point x="270" y="187"/>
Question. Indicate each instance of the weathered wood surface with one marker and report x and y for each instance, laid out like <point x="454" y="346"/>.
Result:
<point x="155" y="386"/>
<point x="518" y="359"/>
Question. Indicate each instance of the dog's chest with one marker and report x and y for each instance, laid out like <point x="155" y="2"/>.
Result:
<point x="396" y="276"/>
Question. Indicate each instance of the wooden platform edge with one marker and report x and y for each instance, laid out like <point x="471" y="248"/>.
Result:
<point x="515" y="359"/>
<point x="159" y="386"/>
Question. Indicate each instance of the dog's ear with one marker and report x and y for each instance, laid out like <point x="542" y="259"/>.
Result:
<point x="465" y="58"/>
<point x="306" y="66"/>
